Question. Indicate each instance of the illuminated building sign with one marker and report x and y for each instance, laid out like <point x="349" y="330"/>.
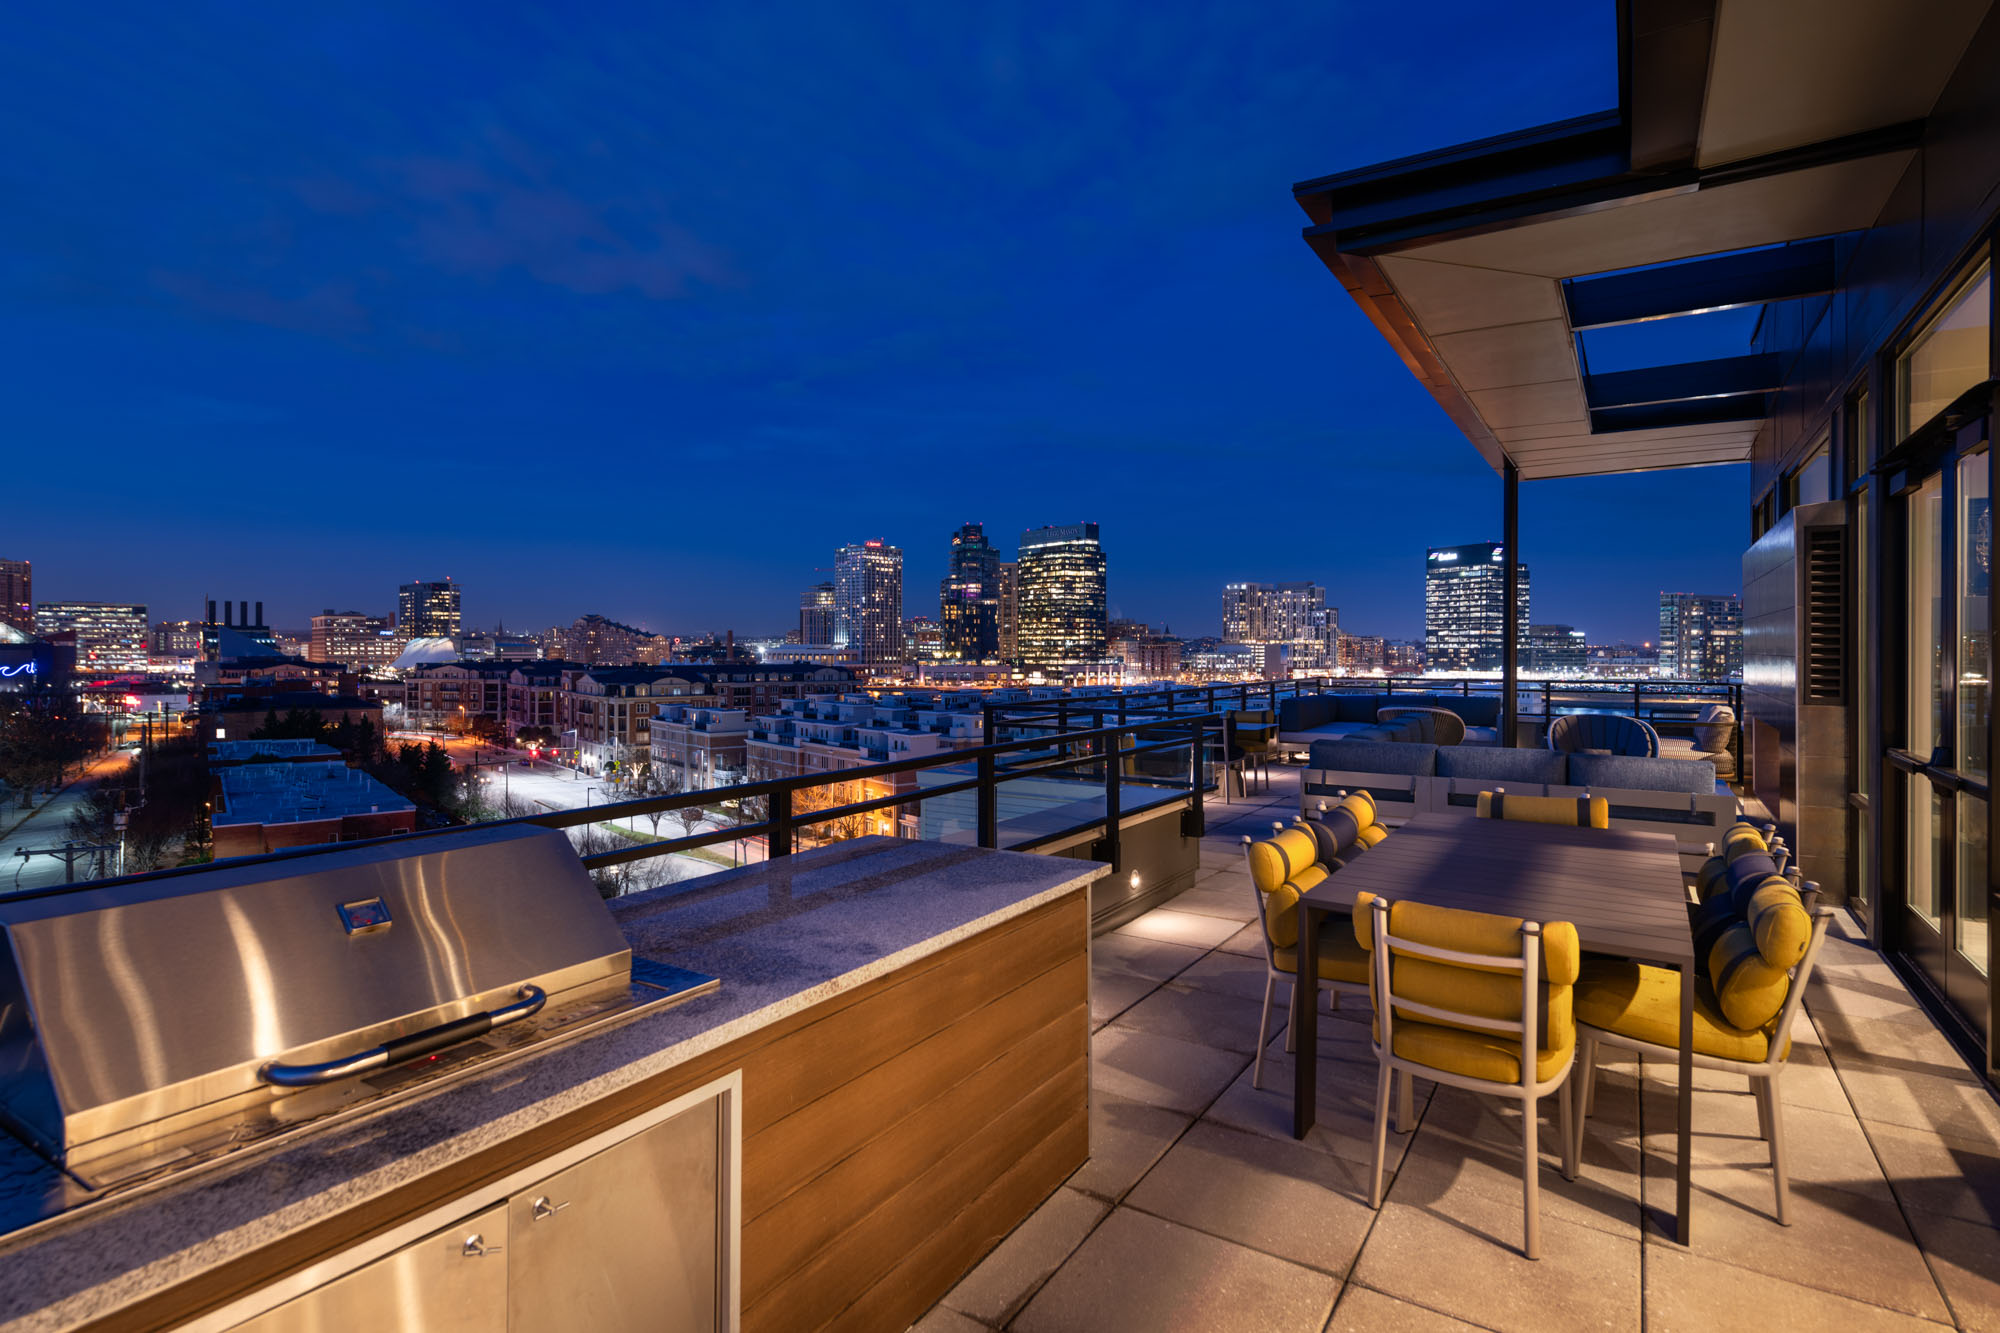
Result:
<point x="24" y="669"/>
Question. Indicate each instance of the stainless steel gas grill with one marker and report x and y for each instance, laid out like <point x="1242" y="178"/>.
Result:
<point x="148" y="1025"/>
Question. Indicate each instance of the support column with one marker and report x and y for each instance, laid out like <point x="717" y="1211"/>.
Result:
<point x="1510" y="638"/>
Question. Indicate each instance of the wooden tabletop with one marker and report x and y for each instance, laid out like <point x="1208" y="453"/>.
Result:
<point x="1622" y="890"/>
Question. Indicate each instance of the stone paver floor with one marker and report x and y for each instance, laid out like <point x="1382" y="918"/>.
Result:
<point x="1197" y="1209"/>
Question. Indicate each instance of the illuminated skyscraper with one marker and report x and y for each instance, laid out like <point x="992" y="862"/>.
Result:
<point x="1701" y="635"/>
<point x="816" y="614"/>
<point x="969" y="598"/>
<point x="17" y="595"/>
<point x="1465" y="589"/>
<point x="427" y="610"/>
<point x="1294" y="616"/>
<point x="868" y="601"/>
<point x="1008" y="612"/>
<point x="1062" y="619"/>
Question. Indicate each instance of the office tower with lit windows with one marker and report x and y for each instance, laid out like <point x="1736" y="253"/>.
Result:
<point x="110" y="636"/>
<point x="1062" y="618"/>
<point x="1465" y="591"/>
<point x="969" y="598"/>
<point x="1007" y="614"/>
<point x="868" y="601"/>
<point x="1701" y="635"/>
<point x="1555" y="650"/>
<point x="17" y="595"/>
<point x="354" y="640"/>
<point x="427" y="610"/>
<point x="816" y="614"/>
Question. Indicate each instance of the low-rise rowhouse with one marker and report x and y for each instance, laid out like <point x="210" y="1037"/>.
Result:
<point x="695" y="746"/>
<point x="603" y="712"/>
<point x="455" y="695"/>
<point x="267" y="795"/>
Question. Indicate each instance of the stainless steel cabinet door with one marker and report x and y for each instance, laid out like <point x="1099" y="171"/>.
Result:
<point x="625" y="1240"/>
<point x="454" y="1281"/>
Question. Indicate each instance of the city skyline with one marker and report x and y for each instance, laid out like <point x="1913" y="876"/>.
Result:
<point x="457" y="283"/>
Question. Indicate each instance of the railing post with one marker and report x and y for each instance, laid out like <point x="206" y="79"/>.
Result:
<point x="781" y="822"/>
<point x="1636" y="688"/>
<point x="988" y="803"/>
<point x="1112" y="764"/>
<point x="1195" y="825"/>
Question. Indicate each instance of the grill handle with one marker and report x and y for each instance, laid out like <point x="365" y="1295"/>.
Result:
<point x="532" y="998"/>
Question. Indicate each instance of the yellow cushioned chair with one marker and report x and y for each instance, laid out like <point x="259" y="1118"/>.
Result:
<point x="1751" y="970"/>
<point x="1473" y="1001"/>
<point x="1585" y="811"/>
<point x="1281" y="869"/>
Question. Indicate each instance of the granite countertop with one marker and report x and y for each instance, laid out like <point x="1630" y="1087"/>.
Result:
<point x="783" y="936"/>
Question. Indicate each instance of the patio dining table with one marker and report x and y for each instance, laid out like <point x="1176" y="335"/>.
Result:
<point x="1622" y="890"/>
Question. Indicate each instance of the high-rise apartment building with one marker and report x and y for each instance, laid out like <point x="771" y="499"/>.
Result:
<point x="868" y="601"/>
<point x="354" y="640"/>
<point x="17" y="595"/>
<point x="1701" y="635"/>
<point x="110" y="636"/>
<point x="816" y="614"/>
<point x="597" y="640"/>
<point x="1062" y="597"/>
<point x="1292" y="615"/>
<point x="969" y="597"/>
<point x="1007" y="629"/>
<point x="1464" y="602"/>
<point x="427" y="610"/>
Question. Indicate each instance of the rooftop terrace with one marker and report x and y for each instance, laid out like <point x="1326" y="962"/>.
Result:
<point x="1197" y="1208"/>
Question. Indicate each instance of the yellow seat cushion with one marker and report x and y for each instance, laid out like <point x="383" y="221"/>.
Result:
<point x="1567" y="811"/>
<point x="1275" y="860"/>
<point x="1340" y="958"/>
<point x="1484" y="1055"/>
<point x="1281" y="922"/>
<point x="1643" y="1002"/>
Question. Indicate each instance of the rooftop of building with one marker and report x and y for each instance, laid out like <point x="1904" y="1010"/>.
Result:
<point x="299" y="793"/>
<point x="303" y="700"/>
<point x="243" y="752"/>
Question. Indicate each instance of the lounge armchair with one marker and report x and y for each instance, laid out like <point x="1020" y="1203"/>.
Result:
<point x="1444" y="727"/>
<point x="1603" y="733"/>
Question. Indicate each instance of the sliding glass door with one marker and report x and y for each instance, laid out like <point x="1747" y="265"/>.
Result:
<point x="1940" y="779"/>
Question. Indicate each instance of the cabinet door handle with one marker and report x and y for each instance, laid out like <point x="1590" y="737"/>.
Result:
<point x="475" y="1247"/>
<point x="544" y="1208"/>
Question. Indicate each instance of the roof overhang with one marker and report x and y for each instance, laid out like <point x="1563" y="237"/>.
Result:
<point x="1741" y="127"/>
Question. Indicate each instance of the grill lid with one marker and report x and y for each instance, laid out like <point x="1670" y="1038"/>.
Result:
<point x="130" y="1012"/>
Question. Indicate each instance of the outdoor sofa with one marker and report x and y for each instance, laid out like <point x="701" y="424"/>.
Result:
<point x="1677" y="796"/>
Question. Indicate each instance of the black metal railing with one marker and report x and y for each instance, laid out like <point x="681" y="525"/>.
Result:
<point x="1182" y="750"/>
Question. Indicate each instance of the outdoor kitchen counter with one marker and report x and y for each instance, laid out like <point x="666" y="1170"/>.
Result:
<point x="834" y="930"/>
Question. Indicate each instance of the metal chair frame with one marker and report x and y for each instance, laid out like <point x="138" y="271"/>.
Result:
<point x="1273" y="974"/>
<point x="1528" y="1091"/>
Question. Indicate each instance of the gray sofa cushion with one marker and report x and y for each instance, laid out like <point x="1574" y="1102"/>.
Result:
<point x="1482" y="764"/>
<point x="1306" y="712"/>
<point x="1482" y="735"/>
<point x="1357" y="756"/>
<point x="1357" y="707"/>
<point x="1696" y="777"/>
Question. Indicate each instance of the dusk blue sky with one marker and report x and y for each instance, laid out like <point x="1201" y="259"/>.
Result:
<point x="645" y="310"/>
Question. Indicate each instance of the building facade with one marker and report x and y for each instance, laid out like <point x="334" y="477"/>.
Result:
<point x="176" y="638"/>
<point x="1805" y="168"/>
<point x="1464" y="605"/>
<point x="597" y="641"/>
<point x="458" y="697"/>
<point x="868" y="601"/>
<point x="1063" y="621"/>
<point x="695" y="747"/>
<point x="110" y="636"/>
<point x="1007" y="630"/>
<point x="1701" y="636"/>
<point x="969" y="598"/>
<point x="427" y="610"/>
<point x="366" y="643"/>
<point x="1555" y="650"/>
<point x="17" y="594"/>
<point x="1294" y="615"/>
<point x="816" y="614"/>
